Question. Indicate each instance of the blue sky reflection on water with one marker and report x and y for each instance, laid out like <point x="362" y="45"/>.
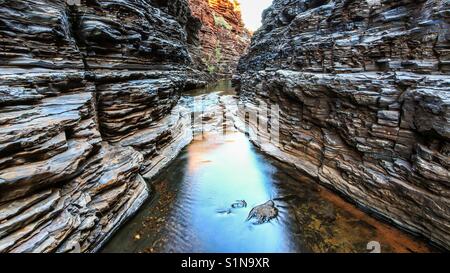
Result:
<point x="191" y="198"/>
<point x="217" y="176"/>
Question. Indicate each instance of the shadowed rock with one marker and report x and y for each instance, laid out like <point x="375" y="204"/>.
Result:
<point x="363" y="91"/>
<point x="87" y="96"/>
<point x="263" y="213"/>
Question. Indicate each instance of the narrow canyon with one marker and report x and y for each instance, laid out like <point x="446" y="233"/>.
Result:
<point x="100" y="142"/>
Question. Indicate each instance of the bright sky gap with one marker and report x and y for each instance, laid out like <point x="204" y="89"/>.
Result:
<point x="252" y="12"/>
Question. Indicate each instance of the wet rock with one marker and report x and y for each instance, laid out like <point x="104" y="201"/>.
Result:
<point x="239" y="204"/>
<point x="363" y="93"/>
<point x="224" y="211"/>
<point x="236" y="205"/>
<point x="263" y="213"/>
<point x="87" y="108"/>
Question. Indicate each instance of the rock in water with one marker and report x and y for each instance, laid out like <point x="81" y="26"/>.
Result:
<point x="224" y="211"/>
<point x="239" y="204"/>
<point x="363" y="89"/>
<point x="263" y="213"/>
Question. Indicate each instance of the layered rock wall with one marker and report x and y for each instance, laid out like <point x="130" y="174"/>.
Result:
<point x="87" y="95"/>
<point x="364" y="94"/>
<point x="222" y="38"/>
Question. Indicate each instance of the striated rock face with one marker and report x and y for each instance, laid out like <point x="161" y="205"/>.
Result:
<point x="364" y="94"/>
<point x="223" y="38"/>
<point x="87" y="95"/>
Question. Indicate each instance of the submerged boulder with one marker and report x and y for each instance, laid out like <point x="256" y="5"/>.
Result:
<point x="263" y="213"/>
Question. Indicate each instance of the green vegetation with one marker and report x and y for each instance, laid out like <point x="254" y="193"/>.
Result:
<point x="214" y="59"/>
<point x="220" y="21"/>
<point x="218" y="52"/>
<point x="211" y="68"/>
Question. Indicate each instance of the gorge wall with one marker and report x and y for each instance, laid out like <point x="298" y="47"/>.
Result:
<point x="364" y="94"/>
<point x="87" y="96"/>
<point x="223" y="38"/>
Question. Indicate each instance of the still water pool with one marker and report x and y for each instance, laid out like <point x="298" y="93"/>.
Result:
<point x="191" y="208"/>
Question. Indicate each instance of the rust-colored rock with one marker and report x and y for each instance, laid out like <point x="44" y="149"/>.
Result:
<point x="223" y="38"/>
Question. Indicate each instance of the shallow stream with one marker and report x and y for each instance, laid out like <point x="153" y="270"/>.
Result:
<point x="191" y="208"/>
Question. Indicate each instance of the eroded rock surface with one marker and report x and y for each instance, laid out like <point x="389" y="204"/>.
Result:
<point x="87" y="96"/>
<point x="222" y="38"/>
<point x="263" y="213"/>
<point x="364" y="94"/>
